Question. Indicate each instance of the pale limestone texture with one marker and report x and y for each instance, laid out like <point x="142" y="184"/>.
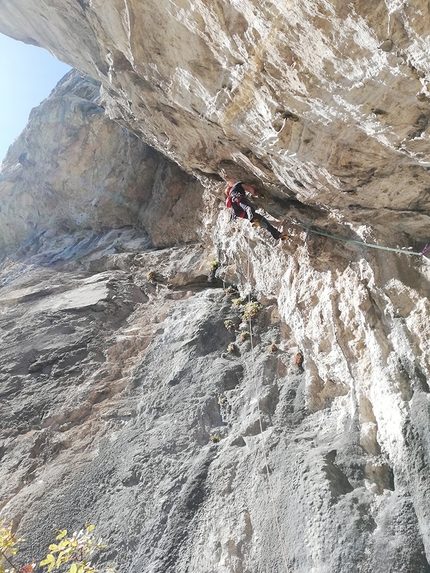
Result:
<point x="118" y="373"/>
<point x="326" y="101"/>
<point x="73" y="168"/>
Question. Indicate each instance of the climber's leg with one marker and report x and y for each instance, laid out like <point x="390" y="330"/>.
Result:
<point x="262" y="222"/>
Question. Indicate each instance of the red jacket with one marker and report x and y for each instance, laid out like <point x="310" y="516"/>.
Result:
<point x="237" y="202"/>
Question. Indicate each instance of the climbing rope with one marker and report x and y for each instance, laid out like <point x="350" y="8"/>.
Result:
<point x="309" y="230"/>
<point x="263" y="441"/>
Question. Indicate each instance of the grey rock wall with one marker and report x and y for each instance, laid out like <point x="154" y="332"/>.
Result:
<point x="74" y="169"/>
<point x="304" y="448"/>
<point x="117" y="377"/>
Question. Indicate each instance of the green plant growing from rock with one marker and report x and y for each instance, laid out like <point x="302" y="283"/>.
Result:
<point x="214" y="438"/>
<point x="252" y="308"/>
<point x="213" y="269"/>
<point x="8" y="550"/>
<point x="70" y="554"/>
<point x="238" y="301"/>
<point x="231" y="348"/>
<point x="230" y="325"/>
<point x="298" y="361"/>
<point x="245" y="335"/>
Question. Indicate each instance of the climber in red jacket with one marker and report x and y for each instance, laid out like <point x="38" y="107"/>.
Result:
<point x="240" y="207"/>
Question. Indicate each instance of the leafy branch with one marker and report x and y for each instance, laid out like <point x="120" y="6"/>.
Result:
<point x="74" y="551"/>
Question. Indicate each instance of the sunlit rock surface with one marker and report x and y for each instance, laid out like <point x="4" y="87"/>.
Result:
<point x="117" y="375"/>
<point x="326" y="101"/>
<point x="74" y="169"/>
<point x="305" y="446"/>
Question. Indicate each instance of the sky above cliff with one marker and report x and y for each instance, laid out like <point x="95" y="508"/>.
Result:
<point x="27" y="76"/>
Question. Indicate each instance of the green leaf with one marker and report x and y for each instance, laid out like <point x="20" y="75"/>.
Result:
<point x="63" y="533"/>
<point x="62" y="558"/>
<point x="50" y="561"/>
<point x="73" y="568"/>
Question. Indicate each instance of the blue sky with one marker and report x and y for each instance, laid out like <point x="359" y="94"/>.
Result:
<point x="27" y="76"/>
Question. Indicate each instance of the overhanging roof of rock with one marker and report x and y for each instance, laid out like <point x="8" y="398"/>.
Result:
<point x="323" y="102"/>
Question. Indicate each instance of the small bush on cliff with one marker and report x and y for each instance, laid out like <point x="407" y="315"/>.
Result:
<point x="251" y="310"/>
<point x="232" y="350"/>
<point x="8" y="550"/>
<point x="229" y="324"/>
<point x="73" y="552"/>
<point x="212" y="271"/>
<point x="298" y="361"/>
<point x="150" y="276"/>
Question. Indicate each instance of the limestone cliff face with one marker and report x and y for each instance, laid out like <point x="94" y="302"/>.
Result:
<point x="74" y="169"/>
<point x="118" y="374"/>
<point x="133" y="394"/>
<point x="317" y="100"/>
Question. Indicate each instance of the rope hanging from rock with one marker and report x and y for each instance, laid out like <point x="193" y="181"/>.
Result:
<point x="309" y="230"/>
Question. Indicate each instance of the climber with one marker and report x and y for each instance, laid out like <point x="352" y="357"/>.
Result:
<point x="240" y="207"/>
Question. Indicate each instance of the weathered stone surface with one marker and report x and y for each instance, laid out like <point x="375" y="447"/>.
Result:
<point x="114" y="382"/>
<point x="117" y="367"/>
<point x="316" y="100"/>
<point x="73" y="168"/>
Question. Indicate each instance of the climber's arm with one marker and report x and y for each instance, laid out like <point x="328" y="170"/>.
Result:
<point x="250" y="189"/>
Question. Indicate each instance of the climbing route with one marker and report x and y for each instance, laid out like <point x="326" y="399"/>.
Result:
<point x="309" y="230"/>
